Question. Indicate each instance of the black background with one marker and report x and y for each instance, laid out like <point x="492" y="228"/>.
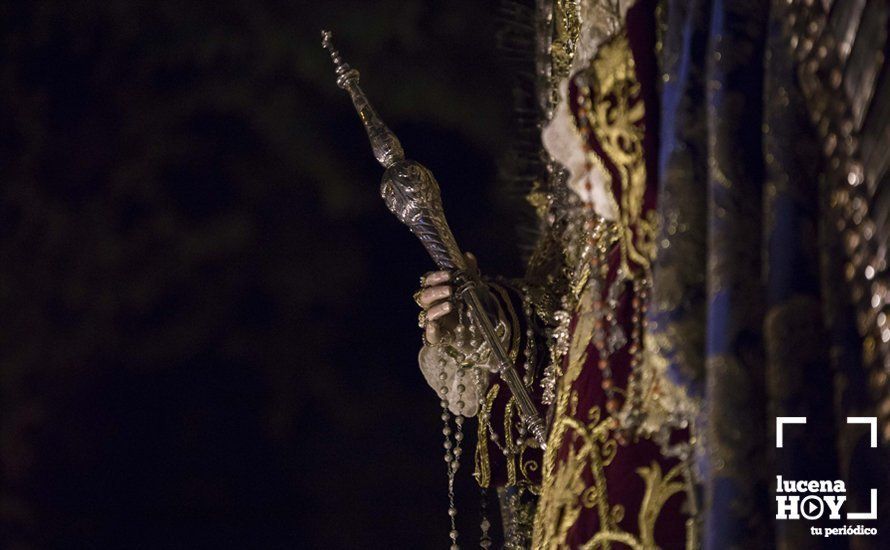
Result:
<point x="207" y="337"/>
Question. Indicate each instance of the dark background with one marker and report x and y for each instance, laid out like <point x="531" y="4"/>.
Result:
<point x="207" y="337"/>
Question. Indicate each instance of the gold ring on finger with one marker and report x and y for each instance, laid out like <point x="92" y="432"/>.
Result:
<point x="421" y="319"/>
<point x="416" y="297"/>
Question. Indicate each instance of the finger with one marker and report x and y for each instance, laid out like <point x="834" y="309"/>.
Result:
<point x="438" y="311"/>
<point x="434" y="278"/>
<point x="430" y="296"/>
<point x="432" y="333"/>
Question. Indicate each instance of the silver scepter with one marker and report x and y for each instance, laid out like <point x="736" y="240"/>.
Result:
<point x="411" y="193"/>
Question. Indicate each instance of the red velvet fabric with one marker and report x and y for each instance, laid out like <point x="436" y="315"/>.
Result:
<point x="625" y="486"/>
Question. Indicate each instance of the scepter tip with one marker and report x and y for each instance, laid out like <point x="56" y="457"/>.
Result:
<point x="326" y="40"/>
<point x="346" y="75"/>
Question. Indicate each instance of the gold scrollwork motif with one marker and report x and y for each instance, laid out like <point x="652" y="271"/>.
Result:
<point x="566" y="493"/>
<point x="614" y="109"/>
<point x="483" y="465"/>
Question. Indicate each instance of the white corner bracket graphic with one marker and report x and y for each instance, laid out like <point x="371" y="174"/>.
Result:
<point x="781" y="421"/>
<point x="872" y="421"/>
<point x="873" y="511"/>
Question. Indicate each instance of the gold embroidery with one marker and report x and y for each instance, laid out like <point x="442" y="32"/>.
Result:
<point x="483" y="466"/>
<point x="658" y="490"/>
<point x="611" y="94"/>
<point x="602" y="539"/>
<point x="566" y="31"/>
<point x="508" y="442"/>
<point x="563" y="491"/>
<point x="565" y="494"/>
<point x="514" y="447"/>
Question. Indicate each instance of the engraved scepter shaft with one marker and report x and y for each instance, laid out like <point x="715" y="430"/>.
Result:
<point x="411" y="193"/>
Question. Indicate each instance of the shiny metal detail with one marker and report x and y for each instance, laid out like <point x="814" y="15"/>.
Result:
<point x="411" y="193"/>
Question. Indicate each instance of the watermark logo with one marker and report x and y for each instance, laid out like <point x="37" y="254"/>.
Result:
<point x="818" y="499"/>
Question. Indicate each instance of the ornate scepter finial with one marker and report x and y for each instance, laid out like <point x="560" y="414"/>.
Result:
<point x="346" y="75"/>
<point x="385" y="144"/>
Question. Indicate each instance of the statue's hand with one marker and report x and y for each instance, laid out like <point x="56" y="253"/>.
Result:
<point x="440" y="316"/>
<point x="452" y="346"/>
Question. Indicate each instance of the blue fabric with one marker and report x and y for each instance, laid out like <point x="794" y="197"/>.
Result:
<point x="736" y="287"/>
